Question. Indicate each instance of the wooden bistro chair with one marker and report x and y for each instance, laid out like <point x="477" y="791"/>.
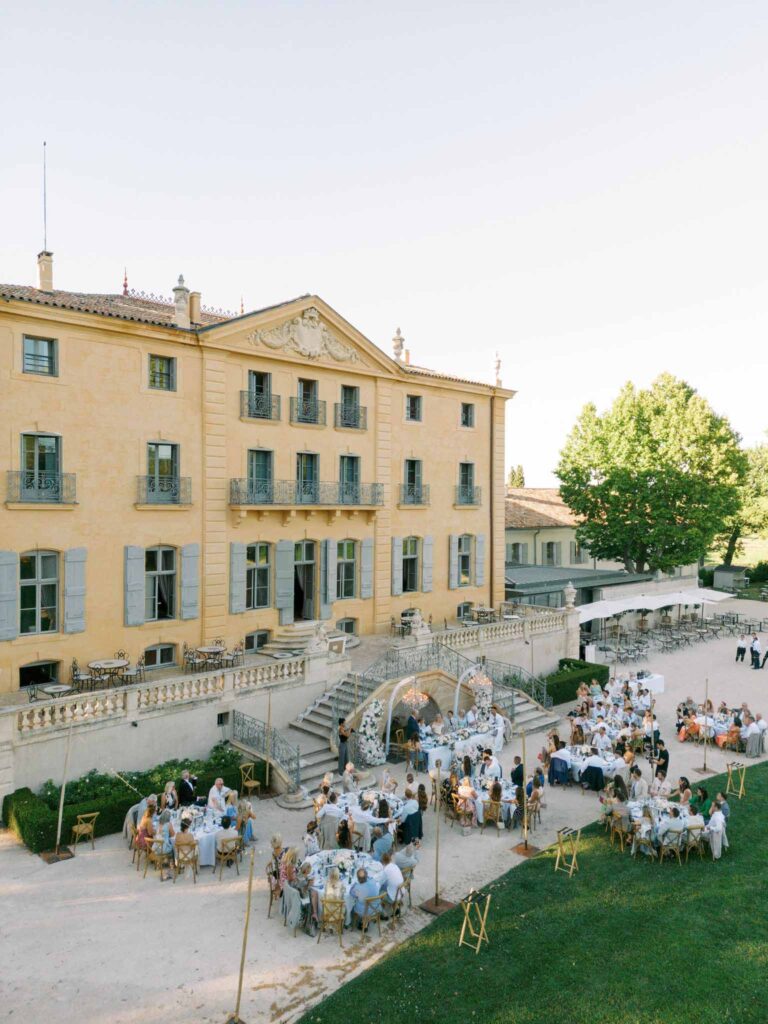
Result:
<point x="407" y="879"/>
<point x="228" y="854"/>
<point x="371" y="913"/>
<point x="461" y="812"/>
<point x="642" y="844"/>
<point x="273" y="884"/>
<point x="333" y="918"/>
<point x="670" y="847"/>
<point x="156" y="857"/>
<point x="187" y="856"/>
<point x="248" y="781"/>
<point x="85" y="828"/>
<point x="492" y="816"/>
<point x="617" y="830"/>
<point x="396" y="907"/>
<point x="694" y="840"/>
<point x="534" y="814"/>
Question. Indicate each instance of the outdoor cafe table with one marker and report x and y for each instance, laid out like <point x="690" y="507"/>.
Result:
<point x="211" y="649"/>
<point x="56" y="689"/>
<point x="483" y="614"/>
<point x="112" y="666"/>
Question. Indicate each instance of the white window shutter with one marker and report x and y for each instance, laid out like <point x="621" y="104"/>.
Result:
<point x="190" y="581"/>
<point x="366" y="568"/>
<point x="134" y="585"/>
<point x="237" y="578"/>
<point x="480" y="560"/>
<point x="453" y="561"/>
<point x="74" y="590"/>
<point x="426" y="565"/>
<point x="397" y="566"/>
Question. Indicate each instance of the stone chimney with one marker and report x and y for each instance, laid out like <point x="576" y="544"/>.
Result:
<point x="194" y="307"/>
<point x="45" y="271"/>
<point x="181" y="302"/>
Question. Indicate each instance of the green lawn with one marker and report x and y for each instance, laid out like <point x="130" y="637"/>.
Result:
<point x="623" y="940"/>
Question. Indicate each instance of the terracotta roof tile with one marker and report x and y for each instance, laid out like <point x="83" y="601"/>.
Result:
<point x="535" y="507"/>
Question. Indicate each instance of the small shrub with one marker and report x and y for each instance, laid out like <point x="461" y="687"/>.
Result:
<point x="759" y="573"/>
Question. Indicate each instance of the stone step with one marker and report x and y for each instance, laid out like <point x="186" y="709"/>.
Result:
<point x="311" y="728"/>
<point x="317" y="757"/>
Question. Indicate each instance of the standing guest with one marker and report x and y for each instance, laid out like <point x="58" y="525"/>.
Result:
<point x="662" y="757"/>
<point x="348" y="783"/>
<point x="414" y="754"/>
<point x="311" y="842"/>
<point x="169" y="801"/>
<point x="388" y="783"/>
<point x="755" y="649"/>
<point x="330" y="809"/>
<point x="409" y="806"/>
<point x="382" y="843"/>
<point x="187" y="789"/>
<point x="741" y="648"/>
<point x="411" y="726"/>
<point x="517" y="772"/>
<point x="217" y="797"/>
<point x="344" y="733"/>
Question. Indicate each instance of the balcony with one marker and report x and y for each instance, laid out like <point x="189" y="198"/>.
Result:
<point x="36" y="488"/>
<point x="282" y="493"/>
<point x="350" y="417"/>
<point x="467" y="495"/>
<point x="414" y="494"/>
<point x="258" y="405"/>
<point x="164" y="490"/>
<point x="308" y="411"/>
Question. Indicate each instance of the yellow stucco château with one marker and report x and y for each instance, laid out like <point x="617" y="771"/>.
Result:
<point x="174" y="475"/>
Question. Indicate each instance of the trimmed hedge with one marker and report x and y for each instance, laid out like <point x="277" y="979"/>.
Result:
<point x="563" y="684"/>
<point x="33" y="818"/>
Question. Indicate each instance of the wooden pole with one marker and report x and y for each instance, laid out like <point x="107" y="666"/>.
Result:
<point x="525" y="796"/>
<point x="705" y="727"/>
<point x="438" y="765"/>
<point x="235" y="1017"/>
<point x="269" y="733"/>
<point x="64" y="785"/>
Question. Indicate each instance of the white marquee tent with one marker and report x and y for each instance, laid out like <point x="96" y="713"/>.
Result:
<point x="648" y="602"/>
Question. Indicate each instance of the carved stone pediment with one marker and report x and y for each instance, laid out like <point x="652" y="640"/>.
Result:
<point x="305" y="336"/>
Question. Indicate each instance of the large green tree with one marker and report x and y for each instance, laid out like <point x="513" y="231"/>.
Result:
<point x="654" y="479"/>
<point x="752" y="515"/>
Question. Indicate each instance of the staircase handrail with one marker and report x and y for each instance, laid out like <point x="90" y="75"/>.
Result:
<point x="269" y="743"/>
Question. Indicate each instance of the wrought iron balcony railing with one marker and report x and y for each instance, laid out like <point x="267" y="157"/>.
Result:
<point x="353" y="417"/>
<point x="414" y="494"/>
<point x="259" y="405"/>
<point x="466" y="495"/>
<point x="42" y="488"/>
<point x="164" y="490"/>
<point x="308" y="410"/>
<point x="303" y="492"/>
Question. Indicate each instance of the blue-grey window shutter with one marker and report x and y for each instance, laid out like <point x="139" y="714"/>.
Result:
<point x="134" y="585"/>
<point x="190" y="581"/>
<point x="573" y="552"/>
<point x="426" y="565"/>
<point x="366" y="568"/>
<point x="480" y="560"/>
<point x="74" y="590"/>
<point x="284" y="580"/>
<point x="237" y="570"/>
<point x="397" y="566"/>
<point x="524" y="554"/>
<point x="453" y="561"/>
<point x="558" y="553"/>
<point x="327" y="578"/>
<point x="9" y="595"/>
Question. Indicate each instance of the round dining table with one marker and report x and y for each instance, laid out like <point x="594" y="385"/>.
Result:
<point x="110" y="665"/>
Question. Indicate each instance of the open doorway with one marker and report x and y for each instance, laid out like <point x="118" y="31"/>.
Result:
<point x="304" y="573"/>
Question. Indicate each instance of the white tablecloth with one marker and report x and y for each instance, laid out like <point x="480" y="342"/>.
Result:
<point x="323" y="862"/>
<point x="451" y="745"/>
<point x="654" y="683"/>
<point x="611" y="766"/>
<point x="484" y="795"/>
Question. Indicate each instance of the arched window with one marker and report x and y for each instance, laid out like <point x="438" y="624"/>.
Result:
<point x="159" y="584"/>
<point x="346" y="569"/>
<point x="39" y="592"/>
<point x="258" y="562"/>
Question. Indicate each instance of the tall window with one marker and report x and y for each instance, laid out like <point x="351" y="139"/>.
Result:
<point x="307" y="478"/>
<point x="346" y="569"/>
<point x="412" y="490"/>
<point x="410" y="565"/>
<point x="160" y="584"/>
<point x="307" y="410"/>
<point x="466" y="483"/>
<point x="40" y="356"/>
<point x="162" y="373"/>
<point x="550" y="553"/>
<point x="257" y="575"/>
<point x="260" y="482"/>
<point x="467" y="414"/>
<point x="465" y="559"/>
<point x="413" y="407"/>
<point x="39" y="592"/>
<point x="514" y="554"/>
<point x="349" y="479"/>
<point x="349" y="407"/>
<point x="260" y="394"/>
<point x="40" y="468"/>
<point x="162" y="472"/>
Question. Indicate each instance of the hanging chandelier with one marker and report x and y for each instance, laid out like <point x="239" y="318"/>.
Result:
<point x="481" y="682"/>
<point x="415" y="699"/>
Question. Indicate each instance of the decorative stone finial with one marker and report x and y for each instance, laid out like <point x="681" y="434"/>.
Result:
<point x="125" y="280"/>
<point x="397" y="343"/>
<point x="569" y="593"/>
<point x="497" y="370"/>
<point x="181" y="302"/>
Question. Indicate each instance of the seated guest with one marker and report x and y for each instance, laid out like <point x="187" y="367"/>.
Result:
<point x="449" y="786"/>
<point x="682" y="792"/>
<point x="217" y="797"/>
<point x="330" y="809"/>
<point x="382" y="808"/>
<point x="343" y="835"/>
<point x="468" y="797"/>
<point x="224" y="833"/>
<point x="311" y="842"/>
<point x="146" y="829"/>
<point x="639" y="787"/>
<point x="601" y="740"/>
<point x="230" y="804"/>
<point x="362" y="815"/>
<point x="672" y="825"/>
<point x="391" y="880"/>
<point x="288" y="866"/>
<point x="167" y="834"/>
<point x="422" y="799"/>
<point x="471" y="717"/>
<point x="187" y="790"/>
<point x="466" y="765"/>
<point x="577" y="736"/>
<point x="451" y="722"/>
<point x="595" y="689"/>
<point x="629" y="757"/>
<point x="414" y="753"/>
<point x="701" y="803"/>
<point x="276" y="843"/>
<point x="410" y="782"/>
<point x="148" y="803"/>
<point x="321" y="798"/>
<point x="361" y="890"/>
<point x="169" y="801"/>
<point x="642" y="830"/>
<point x="461" y="720"/>
<point x="438" y="725"/>
<point x="563" y="754"/>
<point x="660" y="787"/>
<point x="694" y="821"/>
<point x="184" y="837"/>
<point x="715" y="831"/>
<point x="408" y="857"/>
<point x="305" y="885"/>
<point x="334" y="890"/>
<point x="410" y="806"/>
<point x="382" y="843"/>
<point x="725" y="807"/>
<point x="245" y="820"/>
<point x="517" y="775"/>
<point x="490" y="768"/>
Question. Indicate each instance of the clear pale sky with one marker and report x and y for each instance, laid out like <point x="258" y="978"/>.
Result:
<point x="580" y="186"/>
